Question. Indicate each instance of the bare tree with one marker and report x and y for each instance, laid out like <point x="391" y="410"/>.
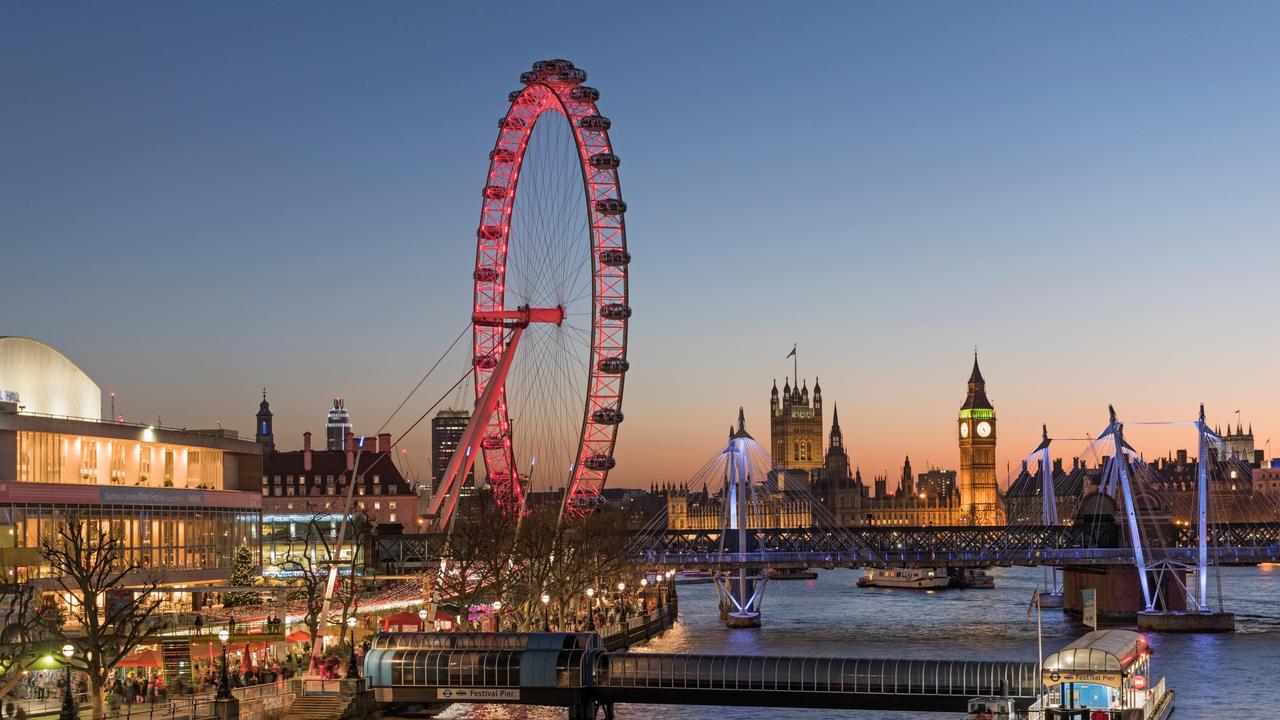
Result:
<point x="307" y="561"/>
<point x="89" y="563"/>
<point x="349" y="590"/>
<point x="28" y="627"/>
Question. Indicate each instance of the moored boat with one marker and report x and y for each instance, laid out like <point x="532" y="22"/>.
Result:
<point x="792" y="574"/>
<point x="906" y="578"/>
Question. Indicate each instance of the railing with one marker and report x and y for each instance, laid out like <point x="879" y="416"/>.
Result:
<point x="638" y="629"/>
<point x="125" y="423"/>
<point x="278" y="695"/>
<point x="862" y="546"/>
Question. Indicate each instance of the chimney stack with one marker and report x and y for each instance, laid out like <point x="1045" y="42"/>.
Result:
<point x="351" y="452"/>
<point x="384" y="442"/>
<point x="306" y="451"/>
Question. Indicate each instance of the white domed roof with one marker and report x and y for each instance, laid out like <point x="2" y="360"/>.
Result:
<point x="46" y="381"/>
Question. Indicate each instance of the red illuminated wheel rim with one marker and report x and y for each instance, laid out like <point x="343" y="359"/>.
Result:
<point x="552" y="234"/>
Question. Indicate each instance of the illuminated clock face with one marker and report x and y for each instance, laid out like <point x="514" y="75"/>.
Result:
<point x="964" y="430"/>
<point x="984" y="429"/>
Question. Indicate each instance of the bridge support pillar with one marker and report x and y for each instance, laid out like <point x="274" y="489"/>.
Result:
<point x="588" y="709"/>
<point x="1118" y="592"/>
<point x="740" y="593"/>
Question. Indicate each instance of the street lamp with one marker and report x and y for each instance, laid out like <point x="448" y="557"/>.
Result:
<point x="69" y="709"/>
<point x="422" y="620"/>
<point x="497" y="616"/>
<point x="591" y="609"/>
<point x="353" y="670"/>
<point x="546" y="618"/>
<point x="622" y="600"/>
<point x="224" y="682"/>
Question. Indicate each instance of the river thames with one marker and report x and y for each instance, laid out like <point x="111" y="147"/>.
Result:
<point x="1230" y="675"/>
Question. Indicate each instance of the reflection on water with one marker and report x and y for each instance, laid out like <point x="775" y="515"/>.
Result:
<point x="1232" y="675"/>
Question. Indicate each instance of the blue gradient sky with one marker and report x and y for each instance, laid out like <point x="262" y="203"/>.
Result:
<point x="199" y="200"/>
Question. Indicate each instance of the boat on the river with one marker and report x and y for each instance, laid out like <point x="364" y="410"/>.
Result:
<point x="792" y="574"/>
<point x="906" y="578"/>
<point x="974" y="578"/>
<point x="693" y="577"/>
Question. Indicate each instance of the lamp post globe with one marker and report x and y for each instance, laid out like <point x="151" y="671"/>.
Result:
<point x="224" y="681"/>
<point x="546" y="613"/>
<point x="69" y="709"/>
<point x="591" y="609"/>
<point x="422" y="620"/>
<point x="353" y="669"/>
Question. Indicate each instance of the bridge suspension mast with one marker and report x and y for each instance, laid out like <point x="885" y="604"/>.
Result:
<point x="1202" y="511"/>
<point x="740" y="591"/>
<point x="1118" y="476"/>
<point x="1048" y="504"/>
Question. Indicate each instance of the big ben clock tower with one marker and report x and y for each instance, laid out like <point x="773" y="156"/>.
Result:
<point x="979" y="498"/>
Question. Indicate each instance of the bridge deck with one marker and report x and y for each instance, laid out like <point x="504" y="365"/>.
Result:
<point x="1230" y="544"/>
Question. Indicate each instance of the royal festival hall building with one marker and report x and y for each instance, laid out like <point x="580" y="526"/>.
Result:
<point x="182" y="500"/>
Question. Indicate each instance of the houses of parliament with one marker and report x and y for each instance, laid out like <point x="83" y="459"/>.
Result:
<point x="934" y="497"/>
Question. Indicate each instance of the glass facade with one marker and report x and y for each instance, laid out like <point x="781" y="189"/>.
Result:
<point x="84" y="460"/>
<point x="174" y="538"/>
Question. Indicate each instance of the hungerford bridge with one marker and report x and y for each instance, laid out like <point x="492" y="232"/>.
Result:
<point x="1096" y="550"/>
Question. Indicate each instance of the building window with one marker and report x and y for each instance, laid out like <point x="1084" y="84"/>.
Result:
<point x="391" y="517"/>
<point x="378" y="478"/>
<point x="377" y="506"/>
<point x="391" y="506"/>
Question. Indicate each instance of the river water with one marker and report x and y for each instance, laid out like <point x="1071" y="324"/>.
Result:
<point x="1227" y="676"/>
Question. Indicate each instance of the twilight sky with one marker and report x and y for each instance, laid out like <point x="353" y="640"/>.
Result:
<point x="200" y="200"/>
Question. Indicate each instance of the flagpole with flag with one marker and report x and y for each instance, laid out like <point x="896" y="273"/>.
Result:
<point x="795" y="363"/>
<point x="1035" y="600"/>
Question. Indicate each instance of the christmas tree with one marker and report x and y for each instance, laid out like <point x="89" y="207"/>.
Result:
<point x="244" y="573"/>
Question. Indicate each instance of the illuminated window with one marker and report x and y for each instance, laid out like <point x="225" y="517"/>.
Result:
<point x="377" y="506"/>
<point x="391" y="517"/>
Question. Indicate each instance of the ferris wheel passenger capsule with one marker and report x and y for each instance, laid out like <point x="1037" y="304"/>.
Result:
<point x="615" y="311"/>
<point x="572" y="76"/>
<point x="607" y="416"/>
<point x="615" y="258"/>
<point x="599" y="462"/>
<point x="611" y="206"/>
<point x="604" y="161"/>
<point x="614" y="365"/>
<point x="583" y="93"/>
<point x="598" y="123"/>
